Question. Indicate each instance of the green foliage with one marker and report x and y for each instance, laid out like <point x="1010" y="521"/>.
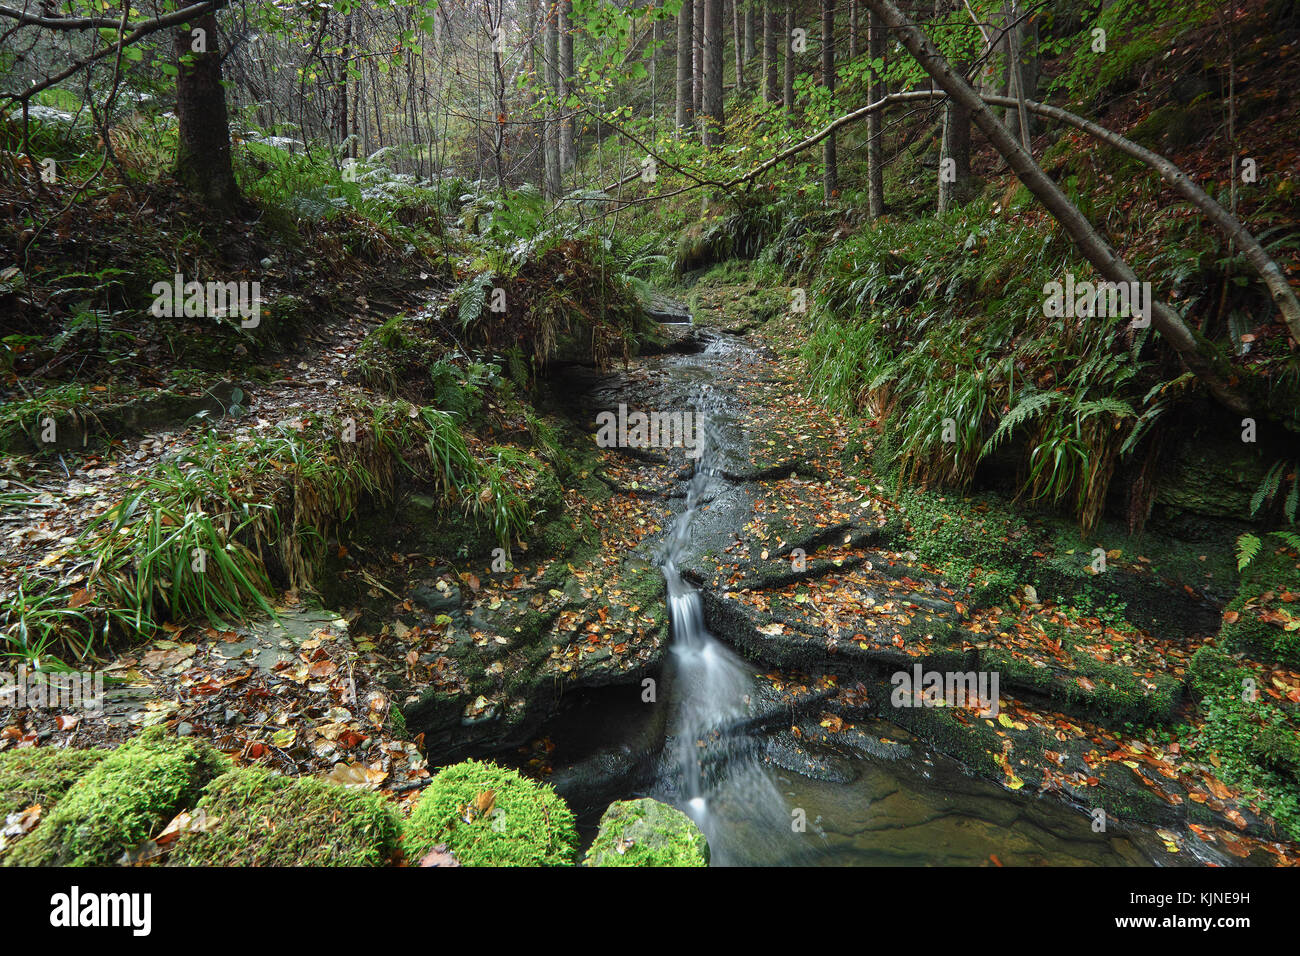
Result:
<point x="491" y="816"/>
<point x="1137" y="31"/>
<point x="1272" y="484"/>
<point x="937" y="326"/>
<point x="41" y="775"/>
<point x="1257" y="742"/>
<point x="976" y="545"/>
<point x="120" y="802"/>
<point x="38" y="619"/>
<point x="646" y="832"/>
<point x="261" y="818"/>
<point x="1258" y="619"/>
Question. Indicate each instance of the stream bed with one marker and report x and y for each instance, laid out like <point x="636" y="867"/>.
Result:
<point x="708" y="741"/>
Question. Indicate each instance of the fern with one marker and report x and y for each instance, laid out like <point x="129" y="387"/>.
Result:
<point x="1248" y="546"/>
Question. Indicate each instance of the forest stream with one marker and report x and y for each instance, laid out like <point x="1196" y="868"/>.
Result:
<point x="708" y="744"/>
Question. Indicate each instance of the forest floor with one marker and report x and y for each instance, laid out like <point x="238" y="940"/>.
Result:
<point x="1088" y="700"/>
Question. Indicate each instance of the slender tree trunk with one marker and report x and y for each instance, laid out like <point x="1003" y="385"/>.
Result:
<point x="853" y="29"/>
<point x="875" y="144"/>
<point x="534" y="132"/>
<point x="203" y="130"/>
<point x="738" y="42"/>
<point x="751" y="31"/>
<point x="830" y="171"/>
<point x="1197" y="354"/>
<point x="787" y="94"/>
<point x="714" y="56"/>
<point x="495" y="21"/>
<point x="1017" y="118"/>
<point x="685" y="65"/>
<point x="954" y="148"/>
<point x="697" y="58"/>
<point x="771" y="35"/>
<point x="551" y="126"/>
<point x="568" y="125"/>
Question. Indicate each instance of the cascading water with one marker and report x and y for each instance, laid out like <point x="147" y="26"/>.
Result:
<point x="715" y="774"/>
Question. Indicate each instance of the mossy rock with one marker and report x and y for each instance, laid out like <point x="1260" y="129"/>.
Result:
<point x="42" y="775"/>
<point x="124" y="798"/>
<point x="647" y="833"/>
<point x="1272" y="573"/>
<point x="262" y="818"/>
<point x="491" y="816"/>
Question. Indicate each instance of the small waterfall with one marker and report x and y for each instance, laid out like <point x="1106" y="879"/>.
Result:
<point x="717" y="774"/>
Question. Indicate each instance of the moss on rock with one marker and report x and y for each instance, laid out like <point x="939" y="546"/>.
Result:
<point x="256" y="817"/>
<point x="1256" y="620"/>
<point x="491" y="816"/>
<point x="42" y="775"/>
<point x="122" y="800"/>
<point x="647" y="833"/>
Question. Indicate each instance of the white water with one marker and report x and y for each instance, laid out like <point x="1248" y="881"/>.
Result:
<point x="724" y="785"/>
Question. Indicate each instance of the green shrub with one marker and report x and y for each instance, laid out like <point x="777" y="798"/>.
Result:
<point x="491" y="816"/>
<point x="260" y="818"/>
<point x="126" y="797"/>
<point x="647" y="833"/>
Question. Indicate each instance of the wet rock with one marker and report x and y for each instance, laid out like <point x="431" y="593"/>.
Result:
<point x="646" y="832"/>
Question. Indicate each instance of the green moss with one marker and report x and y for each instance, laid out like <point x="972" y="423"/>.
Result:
<point x="122" y="800"/>
<point x="491" y="816"/>
<point x="1270" y="574"/>
<point x="41" y="775"/>
<point x="647" y="833"/>
<point x="1257" y="742"/>
<point x="261" y="818"/>
<point x="973" y="743"/>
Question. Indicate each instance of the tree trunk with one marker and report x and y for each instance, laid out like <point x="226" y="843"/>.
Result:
<point x="569" y="124"/>
<point x="203" y="130"/>
<point x="737" y="30"/>
<point x="787" y="94"/>
<point x="714" y="56"/>
<point x="830" y="171"/>
<point x="954" y="149"/>
<point x="875" y="144"/>
<point x="685" y="65"/>
<point x="1017" y="118"/>
<point x="1197" y="354"/>
<point x="550" y="128"/>
<point x="534" y="132"/>
<point x="771" y="29"/>
<point x="697" y="59"/>
<point x="751" y="29"/>
<point x="853" y="29"/>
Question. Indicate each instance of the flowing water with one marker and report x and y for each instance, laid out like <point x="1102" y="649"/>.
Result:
<point x="720" y="779"/>
<point x="707" y="752"/>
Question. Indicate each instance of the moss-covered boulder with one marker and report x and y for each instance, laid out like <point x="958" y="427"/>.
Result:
<point x="491" y="816"/>
<point x="1260" y="620"/>
<point x="124" y="798"/>
<point x="41" y="775"/>
<point x="647" y="833"/>
<point x="256" y="817"/>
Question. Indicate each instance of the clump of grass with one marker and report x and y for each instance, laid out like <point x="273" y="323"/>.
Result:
<point x="213" y="532"/>
<point x="937" y="326"/>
